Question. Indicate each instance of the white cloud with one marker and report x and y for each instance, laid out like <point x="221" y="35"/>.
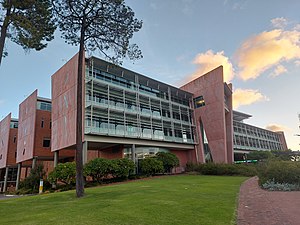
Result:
<point x="247" y="97"/>
<point x="278" y="70"/>
<point x="297" y="62"/>
<point x="279" y="22"/>
<point x="208" y="61"/>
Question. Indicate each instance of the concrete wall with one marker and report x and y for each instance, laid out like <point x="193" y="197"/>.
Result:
<point x="282" y="140"/>
<point x="212" y="115"/>
<point x="26" y="128"/>
<point x="4" y="140"/>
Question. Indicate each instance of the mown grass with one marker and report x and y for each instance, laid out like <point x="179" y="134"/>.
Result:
<point x="184" y="199"/>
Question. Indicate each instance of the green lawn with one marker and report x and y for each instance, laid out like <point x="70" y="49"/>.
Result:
<point x="183" y="200"/>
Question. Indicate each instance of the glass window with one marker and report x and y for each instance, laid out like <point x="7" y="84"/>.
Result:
<point x="199" y="102"/>
<point x="46" y="143"/>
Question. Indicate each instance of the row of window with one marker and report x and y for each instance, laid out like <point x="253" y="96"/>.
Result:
<point x="256" y="143"/>
<point x="120" y="81"/>
<point x="256" y="132"/>
<point x="46" y="106"/>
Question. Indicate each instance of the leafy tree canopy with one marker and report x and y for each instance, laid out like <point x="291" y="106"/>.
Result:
<point x="28" y="23"/>
<point x="104" y="25"/>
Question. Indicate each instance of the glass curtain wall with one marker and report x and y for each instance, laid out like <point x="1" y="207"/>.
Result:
<point x="118" y="106"/>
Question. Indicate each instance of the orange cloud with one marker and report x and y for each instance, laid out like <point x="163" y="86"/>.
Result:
<point x="247" y="97"/>
<point x="208" y="61"/>
<point x="276" y="127"/>
<point x="265" y="50"/>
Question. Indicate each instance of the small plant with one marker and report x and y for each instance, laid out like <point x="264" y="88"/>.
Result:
<point x="168" y="159"/>
<point x="275" y="186"/>
<point x="151" y="166"/>
<point x="31" y="183"/>
<point x="65" y="173"/>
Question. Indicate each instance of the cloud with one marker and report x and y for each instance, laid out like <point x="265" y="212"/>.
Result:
<point x="297" y="62"/>
<point x="208" y="61"/>
<point x="265" y="50"/>
<point x="279" y="22"/>
<point x="235" y="4"/>
<point x="247" y="97"/>
<point x="1" y="102"/>
<point x="276" y="127"/>
<point x="278" y="70"/>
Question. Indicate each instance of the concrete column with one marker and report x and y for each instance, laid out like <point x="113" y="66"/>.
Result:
<point x="33" y="162"/>
<point x="18" y="176"/>
<point x="56" y="156"/>
<point x="5" y="179"/>
<point x="134" y="158"/>
<point x="84" y="152"/>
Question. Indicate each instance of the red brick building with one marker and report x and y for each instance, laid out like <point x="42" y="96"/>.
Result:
<point x="8" y="150"/>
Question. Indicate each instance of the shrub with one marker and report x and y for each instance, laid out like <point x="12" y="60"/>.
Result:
<point x="151" y="166"/>
<point x="223" y="169"/>
<point x="100" y="168"/>
<point x="65" y="173"/>
<point x="191" y="167"/>
<point x="260" y="155"/>
<point x="124" y="167"/>
<point x="168" y="159"/>
<point x="272" y="186"/>
<point x="282" y="172"/>
<point x="31" y="183"/>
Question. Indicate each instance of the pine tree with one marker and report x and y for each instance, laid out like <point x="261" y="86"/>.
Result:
<point x="103" y="25"/>
<point x="28" y="23"/>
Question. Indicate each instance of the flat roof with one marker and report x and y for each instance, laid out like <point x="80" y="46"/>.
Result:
<point x="44" y="99"/>
<point x="240" y="116"/>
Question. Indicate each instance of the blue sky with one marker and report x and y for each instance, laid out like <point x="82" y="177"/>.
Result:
<point x="257" y="42"/>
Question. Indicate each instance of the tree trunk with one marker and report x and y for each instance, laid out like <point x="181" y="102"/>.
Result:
<point x="4" y="29"/>
<point x="79" y="130"/>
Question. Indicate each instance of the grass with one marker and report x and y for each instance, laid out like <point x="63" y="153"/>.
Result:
<point x="184" y="199"/>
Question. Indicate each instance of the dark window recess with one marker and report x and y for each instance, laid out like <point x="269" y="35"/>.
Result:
<point x="24" y="151"/>
<point x="42" y="123"/>
<point x="16" y="154"/>
<point x="50" y="124"/>
<point x="199" y="102"/>
<point x="15" y="139"/>
<point x="0" y="156"/>
<point x="46" y="143"/>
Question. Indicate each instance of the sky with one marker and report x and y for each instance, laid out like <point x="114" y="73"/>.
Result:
<point x="256" y="41"/>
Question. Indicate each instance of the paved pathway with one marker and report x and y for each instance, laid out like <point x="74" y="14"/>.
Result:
<point x="2" y="196"/>
<point x="260" y="207"/>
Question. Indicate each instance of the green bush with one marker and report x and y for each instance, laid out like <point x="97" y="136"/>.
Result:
<point x="124" y="167"/>
<point x="65" y="173"/>
<point x="223" y="169"/>
<point x="282" y="172"/>
<point x="31" y="183"/>
<point x="191" y="167"/>
<point x="151" y="166"/>
<point x="260" y="155"/>
<point x="168" y="159"/>
<point x="100" y="168"/>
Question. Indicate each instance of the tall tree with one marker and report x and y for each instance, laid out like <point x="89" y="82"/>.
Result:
<point x="103" y="25"/>
<point x="28" y="23"/>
